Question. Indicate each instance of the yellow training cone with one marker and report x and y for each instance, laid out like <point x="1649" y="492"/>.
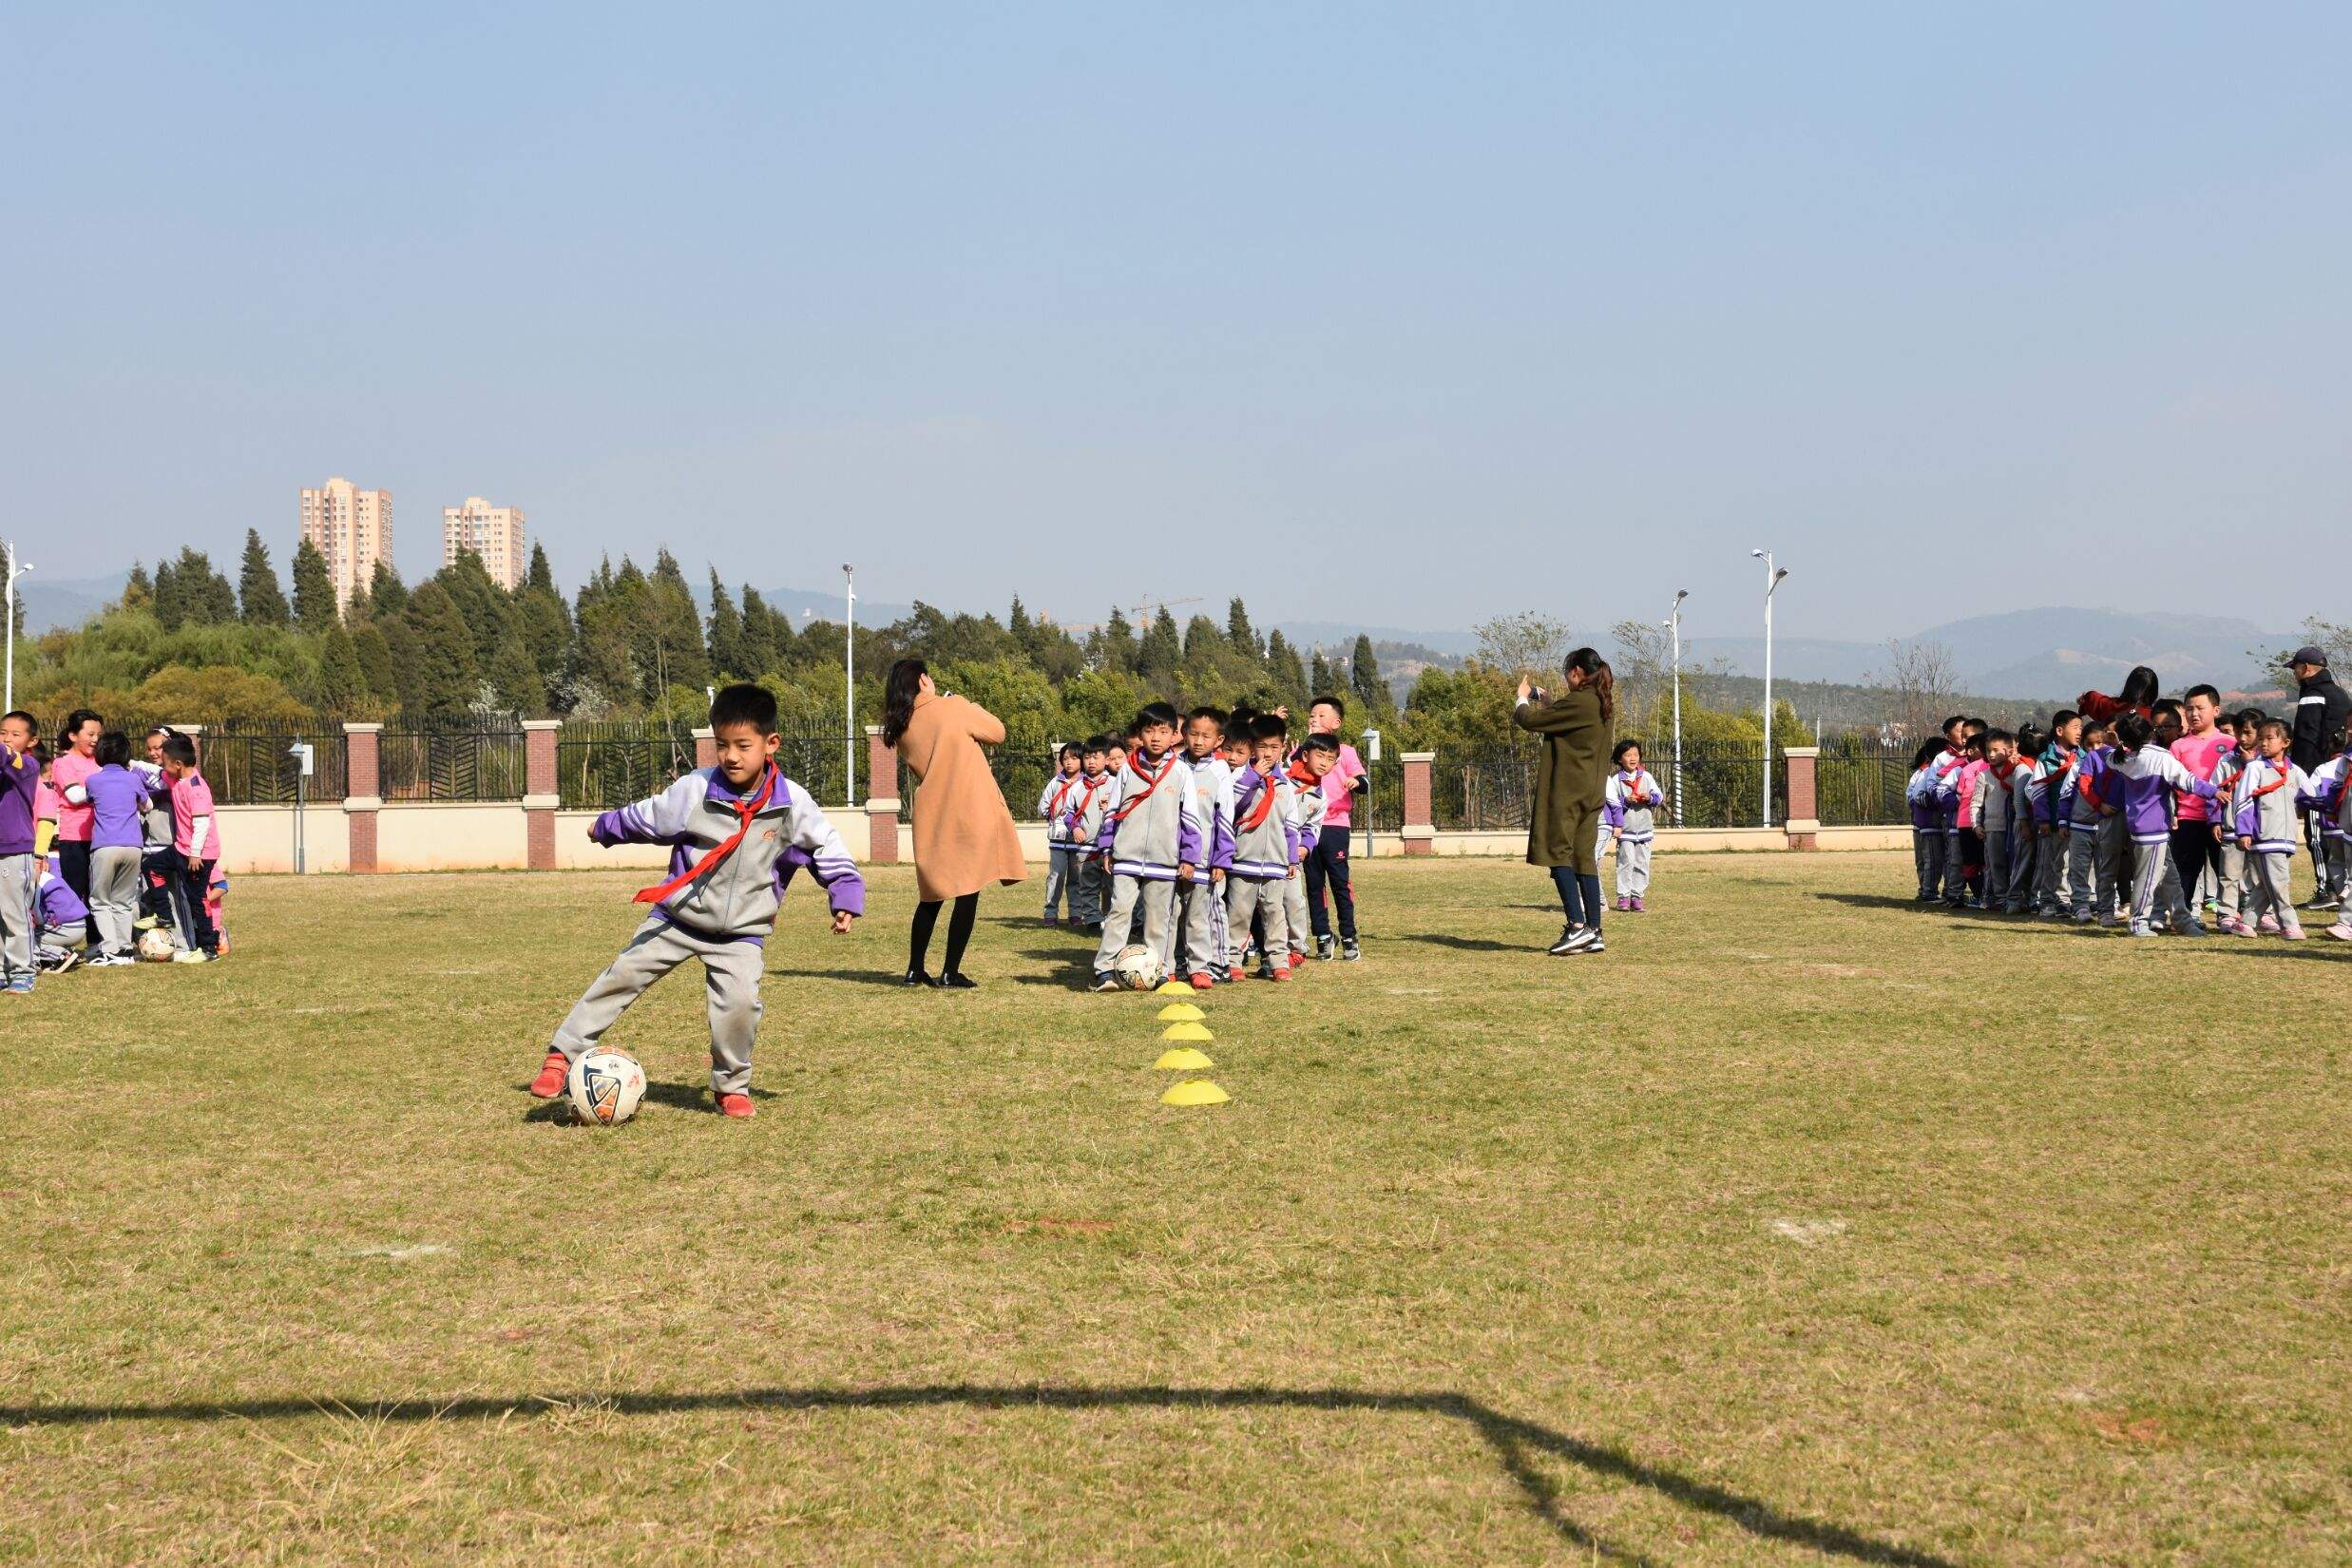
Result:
<point x="1186" y="1031"/>
<point x="1195" y="1091"/>
<point x="1180" y="1012"/>
<point x="1183" y="1058"/>
<point x="1174" y="988"/>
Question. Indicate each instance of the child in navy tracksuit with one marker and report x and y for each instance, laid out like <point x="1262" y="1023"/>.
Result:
<point x="1153" y="836"/>
<point x="1054" y="806"/>
<point x="1629" y="811"/>
<point x="1088" y="804"/>
<point x="731" y="830"/>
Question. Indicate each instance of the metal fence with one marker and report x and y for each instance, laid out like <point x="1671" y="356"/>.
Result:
<point x="1021" y="769"/>
<point x="251" y="763"/>
<point x="1859" y="782"/>
<point x="1492" y="790"/>
<point x="453" y="764"/>
<point x="601" y="764"/>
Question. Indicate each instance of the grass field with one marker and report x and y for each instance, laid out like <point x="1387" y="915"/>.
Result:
<point x="1802" y="1227"/>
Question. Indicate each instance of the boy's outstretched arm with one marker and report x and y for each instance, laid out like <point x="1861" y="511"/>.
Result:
<point x="655" y="820"/>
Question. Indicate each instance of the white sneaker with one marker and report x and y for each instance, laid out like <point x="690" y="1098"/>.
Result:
<point x="191" y="955"/>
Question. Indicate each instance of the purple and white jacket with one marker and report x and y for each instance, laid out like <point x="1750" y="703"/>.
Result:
<point x="1153" y="825"/>
<point x="736" y="899"/>
<point x="2146" y="777"/>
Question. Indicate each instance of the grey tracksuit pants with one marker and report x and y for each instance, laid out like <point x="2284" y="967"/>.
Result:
<point x="2024" y="853"/>
<point x="731" y="974"/>
<point x="1927" y="845"/>
<point x="1996" y="867"/>
<point x="2052" y="871"/>
<point x="1200" y="939"/>
<point x="1954" y="869"/>
<point x="2229" y="878"/>
<point x="114" y="896"/>
<point x="1632" y="868"/>
<point x="17" y="874"/>
<point x="1155" y="898"/>
<point x="1060" y="881"/>
<point x="1295" y="916"/>
<point x="1248" y="902"/>
<point x="2269" y="890"/>
<point x="2156" y="886"/>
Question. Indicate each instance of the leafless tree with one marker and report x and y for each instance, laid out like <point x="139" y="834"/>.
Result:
<point x="1529" y="643"/>
<point x="1921" y="680"/>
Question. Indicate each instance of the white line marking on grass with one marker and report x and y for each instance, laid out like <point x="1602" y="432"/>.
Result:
<point x="401" y="1255"/>
<point x="1807" y="1232"/>
<point x="1411" y="990"/>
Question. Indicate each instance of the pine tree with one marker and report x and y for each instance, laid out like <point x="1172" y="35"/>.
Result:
<point x="515" y="678"/>
<point x="1364" y="680"/>
<point x="481" y="602"/>
<point x="260" y="601"/>
<point x="539" y="579"/>
<point x="1285" y="673"/>
<point x="189" y="592"/>
<point x="138" y="589"/>
<point x="726" y="634"/>
<point x="1202" y="641"/>
<point x="385" y="590"/>
<point x="1023" y="630"/>
<point x="375" y="662"/>
<point x="547" y="630"/>
<point x="448" y="675"/>
<point x="1239" y="632"/>
<point x="314" y="589"/>
<point x="404" y="663"/>
<point x="1157" y="653"/>
<point x="1319" y="676"/>
<point x="1115" y="643"/>
<point x="170" y="611"/>
<point x="342" y="680"/>
<point x="670" y="647"/>
<point x="761" y="653"/>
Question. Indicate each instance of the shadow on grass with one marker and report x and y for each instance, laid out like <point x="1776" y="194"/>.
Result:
<point x="1516" y="1444"/>
<point x="1468" y="943"/>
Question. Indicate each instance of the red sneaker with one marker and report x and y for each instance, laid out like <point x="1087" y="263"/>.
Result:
<point x="737" y="1105"/>
<point x="552" y="1072"/>
<point x="1202" y="982"/>
<point x="1277" y="974"/>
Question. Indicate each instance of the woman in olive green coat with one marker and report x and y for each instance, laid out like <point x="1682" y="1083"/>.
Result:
<point x="1564" y="830"/>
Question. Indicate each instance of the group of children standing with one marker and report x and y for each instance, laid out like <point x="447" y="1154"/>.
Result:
<point x="95" y="847"/>
<point x="1198" y="825"/>
<point x="2146" y="815"/>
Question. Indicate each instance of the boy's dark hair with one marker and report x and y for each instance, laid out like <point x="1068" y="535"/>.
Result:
<point x="1239" y="721"/>
<point x="1320" y="743"/>
<point x="1070" y="749"/>
<point x="2167" y="706"/>
<point x="180" y="749"/>
<point x="2061" y="719"/>
<point x="2278" y="727"/>
<point x="1991" y="735"/>
<point x="1976" y="726"/>
<point x="1973" y="745"/>
<point x="744" y="703"/>
<point x="30" y="723"/>
<point x="2208" y="692"/>
<point x="2030" y="738"/>
<point x="1926" y="753"/>
<point x="113" y="749"/>
<point x="1215" y="716"/>
<point x="2132" y="731"/>
<point x="1950" y="724"/>
<point x="1332" y="702"/>
<point x="1271" y="727"/>
<point x="2248" y="716"/>
<point x="1617" y="752"/>
<point x="1157" y="713"/>
<point x="1102" y="744"/>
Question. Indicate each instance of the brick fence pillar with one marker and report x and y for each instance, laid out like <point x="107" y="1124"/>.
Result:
<point x="1803" y="824"/>
<point x="706" y="747"/>
<point x="881" y="806"/>
<point x="363" y="783"/>
<point x="541" y="795"/>
<point x="1420" y="831"/>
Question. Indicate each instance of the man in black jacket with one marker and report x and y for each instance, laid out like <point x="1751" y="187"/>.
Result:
<point x="2321" y="707"/>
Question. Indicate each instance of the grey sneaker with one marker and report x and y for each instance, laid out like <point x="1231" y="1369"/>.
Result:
<point x="1349" y="951"/>
<point x="1324" y="947"/>
<point x="1573" y="939"/>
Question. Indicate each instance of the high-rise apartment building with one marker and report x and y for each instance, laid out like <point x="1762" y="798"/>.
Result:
<point x="352" y="529"/>
<point x="494" y="533"/>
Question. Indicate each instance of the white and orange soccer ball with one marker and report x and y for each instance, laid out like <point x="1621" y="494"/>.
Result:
<point x="1139" y="968"/>
<point x="606" y="1085"/>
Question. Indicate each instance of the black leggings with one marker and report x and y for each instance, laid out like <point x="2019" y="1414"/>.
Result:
<point x="959" y="932"/>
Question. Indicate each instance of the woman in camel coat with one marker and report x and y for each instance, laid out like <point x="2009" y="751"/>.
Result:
<point x="964" y="835"/>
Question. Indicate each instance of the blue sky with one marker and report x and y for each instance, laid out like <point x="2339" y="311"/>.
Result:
<point x="1405" y="316"/>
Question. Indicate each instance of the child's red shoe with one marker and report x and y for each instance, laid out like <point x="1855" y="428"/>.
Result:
<point x="1279" y="973"/>
<point x="552" y="1072"/>
<point x="737" y="1105"/>
<point x="1202" y="982"/>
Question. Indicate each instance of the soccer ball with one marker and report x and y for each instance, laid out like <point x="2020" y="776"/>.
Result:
<point x="156" y="945"/>
<point x="1139" y="968"/>
<point x="606" y="1085"/>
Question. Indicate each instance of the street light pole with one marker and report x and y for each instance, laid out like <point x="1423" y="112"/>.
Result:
<point x="14" y="572"/>
<point x="1673" y="622"/>
<point x="1771" y="580"/>
<point x="849" y="686"/>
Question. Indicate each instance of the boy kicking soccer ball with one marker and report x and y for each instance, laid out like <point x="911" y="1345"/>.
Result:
<point x="728" y="829"/>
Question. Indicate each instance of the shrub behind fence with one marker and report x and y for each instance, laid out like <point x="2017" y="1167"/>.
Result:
<point x="1492" y="790"/>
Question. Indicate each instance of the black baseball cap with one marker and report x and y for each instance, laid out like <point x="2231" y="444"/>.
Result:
<point x="2309" y="654"/>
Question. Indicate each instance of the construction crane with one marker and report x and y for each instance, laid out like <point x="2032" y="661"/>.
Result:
<point x="1141" y="610"/>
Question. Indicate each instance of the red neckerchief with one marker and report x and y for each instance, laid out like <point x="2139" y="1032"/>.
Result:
<point x="2002" y="770"/>
<point x="1135" y="760"/>
<point x="1265" y="804"/>
<point x="1297" y="777"/>
<point x="2284" y="772"/>
<point x="1062" y="791"/>
<point x="744" y="810"/>
<point x="1637" y="776"/>
<point x="2066" y="762"/>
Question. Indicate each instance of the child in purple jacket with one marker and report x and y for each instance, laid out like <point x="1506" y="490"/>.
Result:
<point x="2148" y="774"/>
